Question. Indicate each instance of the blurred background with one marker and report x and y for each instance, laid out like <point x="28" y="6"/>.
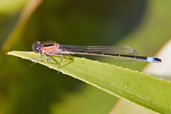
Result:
<point x="25" y="89"/>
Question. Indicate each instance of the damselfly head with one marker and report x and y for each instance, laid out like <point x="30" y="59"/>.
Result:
<point x="36" y="47"/>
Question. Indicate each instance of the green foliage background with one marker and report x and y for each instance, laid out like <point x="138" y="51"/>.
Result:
<point x="26" y="89"/>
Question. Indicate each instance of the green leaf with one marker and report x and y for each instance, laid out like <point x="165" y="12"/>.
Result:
<point x="143" y="89"/>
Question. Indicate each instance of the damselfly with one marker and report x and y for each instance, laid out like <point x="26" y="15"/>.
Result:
<point x="56" y="49"/>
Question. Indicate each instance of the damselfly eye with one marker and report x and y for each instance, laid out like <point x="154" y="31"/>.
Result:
<point x="36" y="46"/>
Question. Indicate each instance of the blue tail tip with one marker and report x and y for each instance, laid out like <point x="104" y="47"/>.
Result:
<point x="153" y="59"/>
